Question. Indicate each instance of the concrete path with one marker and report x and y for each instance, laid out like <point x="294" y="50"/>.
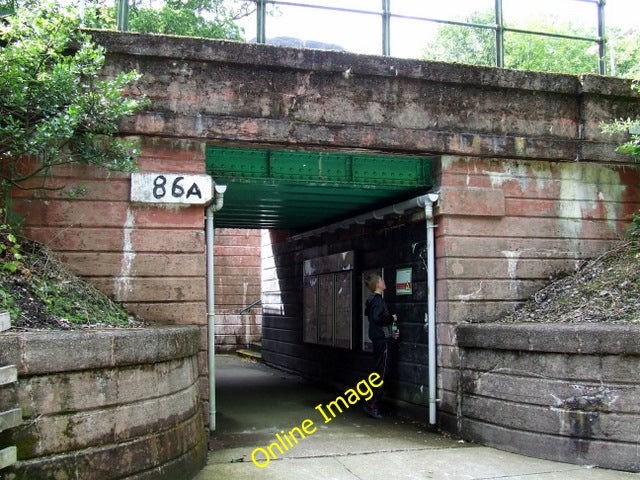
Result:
<point x="256" y="402"/>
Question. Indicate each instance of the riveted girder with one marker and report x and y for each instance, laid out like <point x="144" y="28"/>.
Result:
<point x="295" y="189"/>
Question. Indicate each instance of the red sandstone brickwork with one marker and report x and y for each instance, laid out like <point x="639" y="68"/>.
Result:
<point x="238" y="271"/>
<point x="150" y="258"/>
<point x="510" y="217"/>
<point x="505" y="229"/>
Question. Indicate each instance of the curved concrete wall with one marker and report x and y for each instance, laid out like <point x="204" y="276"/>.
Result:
<point x="109" y="404"/>
<point x="562" y="392"/>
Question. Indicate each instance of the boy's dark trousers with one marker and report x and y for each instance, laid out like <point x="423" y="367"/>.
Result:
<point x="381" y="365"/>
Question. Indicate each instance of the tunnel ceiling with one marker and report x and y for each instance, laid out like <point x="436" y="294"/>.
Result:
<point x="300" y="190"/>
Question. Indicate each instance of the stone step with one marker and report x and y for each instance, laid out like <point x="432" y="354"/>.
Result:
<point x="8" y="374"/>
<point x="10" y="419"/>
<point x="5" y="321"/>
<point x="243" y="352"/>
<point x="8" y="456"/>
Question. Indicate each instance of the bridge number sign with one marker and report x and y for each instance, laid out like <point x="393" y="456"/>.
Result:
<point x="180" y="188"/>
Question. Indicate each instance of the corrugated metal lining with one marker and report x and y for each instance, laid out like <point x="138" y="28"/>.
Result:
<point x="299" y="190"/>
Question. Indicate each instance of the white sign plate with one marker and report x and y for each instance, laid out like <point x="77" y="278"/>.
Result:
<point x="177" y="188"/>
<point x="403" y="281"/>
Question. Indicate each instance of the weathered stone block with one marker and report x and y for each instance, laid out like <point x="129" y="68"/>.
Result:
<point x="153" y="289"/>
<point x="595" y="422"/>
<point x="8" y="456"/>
<point x="544" y="337"/>
<point x="135" y="410"/>
<point x="484" y="202"/>
<point x="58" y="433"/>
<point x="561" y="391"/>
<point x="10" y="418"/>
<point x="572" y="368"/>
<point x="162" y="344"/>
<point x="114" y="461"/>
<point x="186" y="240"/>
<point x="101" y="388"/>
<point x="615" y="455"/>
<point x="80" y="350"/>
<point x="5" y="321"/>
<point x="8" y="374"/>
<point x="190" y="313"/>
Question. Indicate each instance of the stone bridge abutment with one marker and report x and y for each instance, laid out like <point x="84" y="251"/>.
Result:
<point x="529" y="186"/>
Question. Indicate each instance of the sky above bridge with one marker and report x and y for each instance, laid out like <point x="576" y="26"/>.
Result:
<point x="361" y="33"/>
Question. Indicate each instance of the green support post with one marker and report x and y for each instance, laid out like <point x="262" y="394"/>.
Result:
<point x="123" y="15"/>
<point x="261" y="14"/>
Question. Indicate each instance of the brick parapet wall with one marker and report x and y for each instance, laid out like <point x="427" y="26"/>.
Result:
<point x="238" y="271"/>
<point x="229" y="91"/>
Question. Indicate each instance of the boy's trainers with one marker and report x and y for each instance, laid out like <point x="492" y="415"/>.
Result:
<point x="373" y="412"/>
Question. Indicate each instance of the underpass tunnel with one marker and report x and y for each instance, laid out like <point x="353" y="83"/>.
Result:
<point x="326" y="219"/>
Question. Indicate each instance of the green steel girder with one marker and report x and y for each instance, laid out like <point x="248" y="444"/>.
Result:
<point x="294" y="189"/>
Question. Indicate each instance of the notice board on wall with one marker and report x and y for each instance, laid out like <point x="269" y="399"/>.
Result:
<point x="328" y="300"/>
<point x="404" y="285"/>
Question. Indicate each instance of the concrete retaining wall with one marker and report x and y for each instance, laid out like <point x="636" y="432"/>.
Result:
<point x="105" y="404"/>
<point x="562" y="392"/>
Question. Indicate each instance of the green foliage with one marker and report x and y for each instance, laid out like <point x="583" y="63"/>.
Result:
<point x="624" y="52"/>
<point x="476" y="45"/>
<point x="471" y="45"/>
<point x="63" y="299"/>
<point x="8" y="303"/>
<point x="195" y="18"/>
<point x="54" y="107"/>
<point x="10" y="253"/>
<point x="550" y="54"/>
<point x="79" y="191"/>
<point x="634" y="230"/>
<point x="630" y="127"/>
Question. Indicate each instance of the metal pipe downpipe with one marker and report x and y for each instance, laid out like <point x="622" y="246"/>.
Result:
<point x="216" y="205"/>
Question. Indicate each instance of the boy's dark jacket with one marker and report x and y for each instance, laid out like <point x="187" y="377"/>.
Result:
<point x="379" y="317"/>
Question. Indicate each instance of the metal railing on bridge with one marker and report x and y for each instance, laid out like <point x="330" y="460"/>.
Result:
<point x="387" y="15"/>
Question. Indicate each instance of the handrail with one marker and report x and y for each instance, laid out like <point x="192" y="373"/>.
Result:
<point x="249" y="307"/>
<point x="498" y="26"/>
<point x="387" y="15"/>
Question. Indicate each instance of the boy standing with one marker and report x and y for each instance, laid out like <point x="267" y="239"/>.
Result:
<point x="381" y="334"/>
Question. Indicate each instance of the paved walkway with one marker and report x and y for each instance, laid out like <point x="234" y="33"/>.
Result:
<point x="256" y="402"/>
